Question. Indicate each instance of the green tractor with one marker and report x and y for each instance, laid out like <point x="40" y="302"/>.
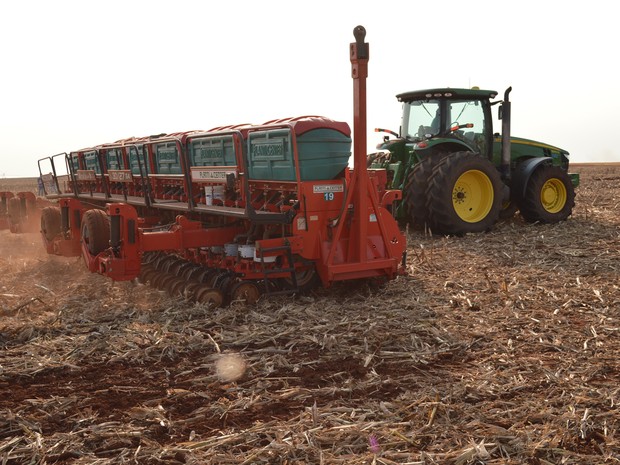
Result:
<point x="458" y="176"/>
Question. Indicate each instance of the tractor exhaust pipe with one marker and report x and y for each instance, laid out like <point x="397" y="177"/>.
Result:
<point x="505" y="116"/>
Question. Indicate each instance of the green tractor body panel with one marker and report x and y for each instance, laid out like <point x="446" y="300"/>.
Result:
<point x="521" y="148"/>
<point x="441" y="121"/>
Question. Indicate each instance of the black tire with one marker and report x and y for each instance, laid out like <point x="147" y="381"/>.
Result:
<point x="415" y="190"/>
<point x="464" y="195"/>
<point x="549" y="196"/>
<point x="50" y="222"/>
<point x="95" y="231"/>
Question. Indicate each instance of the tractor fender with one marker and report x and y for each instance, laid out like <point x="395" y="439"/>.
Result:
<point x="523" y="173"/>
<point x="444" y="144"/>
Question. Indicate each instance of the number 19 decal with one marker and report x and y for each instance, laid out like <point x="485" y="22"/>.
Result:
<point x="327" y="196"/>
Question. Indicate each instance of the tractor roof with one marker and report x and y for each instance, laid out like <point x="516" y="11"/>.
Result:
<point x="446" y="92"/>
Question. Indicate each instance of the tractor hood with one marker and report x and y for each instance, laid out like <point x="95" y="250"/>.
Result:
<point x="523" y="147"/>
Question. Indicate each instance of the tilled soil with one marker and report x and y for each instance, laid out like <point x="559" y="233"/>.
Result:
<point x="501" y="347"/>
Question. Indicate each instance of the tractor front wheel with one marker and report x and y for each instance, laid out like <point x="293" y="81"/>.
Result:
<point x="549" y="196"/>
<point x="463" y="195"/>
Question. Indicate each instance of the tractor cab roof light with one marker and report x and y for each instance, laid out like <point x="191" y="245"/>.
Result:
<point x="438" y="95"/>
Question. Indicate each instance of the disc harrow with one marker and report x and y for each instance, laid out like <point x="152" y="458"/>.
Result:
<point x="193" y="282"/>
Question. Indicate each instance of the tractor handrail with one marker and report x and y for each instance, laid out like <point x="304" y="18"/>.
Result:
<point x="54" y="174"/>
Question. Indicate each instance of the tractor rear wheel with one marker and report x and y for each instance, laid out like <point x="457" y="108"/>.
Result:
<point x="50" y="222"/>
<point x="95" y="231"/>
<point x="463" y="195"/>
<point x="549" y="196"/>
<point x="415" y="190"/>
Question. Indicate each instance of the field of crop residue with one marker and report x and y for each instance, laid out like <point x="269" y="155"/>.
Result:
<point x="497" y="348"/>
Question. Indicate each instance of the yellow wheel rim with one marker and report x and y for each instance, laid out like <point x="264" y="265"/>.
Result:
<point x="553" y="195"/>
<point x="472" y="196"/>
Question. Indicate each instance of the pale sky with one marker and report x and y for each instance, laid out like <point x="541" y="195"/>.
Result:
<point x="81" y="73"/>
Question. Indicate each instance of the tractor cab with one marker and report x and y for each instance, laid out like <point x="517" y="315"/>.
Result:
<point x="449" y="116"/>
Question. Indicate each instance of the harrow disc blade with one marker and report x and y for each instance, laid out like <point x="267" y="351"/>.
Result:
<point x="175" y="267"/>
<point x="225" y="284"/>
<point x="246" y="291"/>
<point x="175" y="286"/>
<point x="208" y="295"/>
<point x="144" y="270"/>
<point x="190" y="289"/>
<point x="149" y="257"/>
<point x="208" y="277"/>
<point x="218" y="279"/>
<point x="182" y="269"/>
<point x="192" y="273"/>
<point x="148" y="275"/>
<point x="158" y="278"/>
<point x="165" y="281"/>
<point x="161" y="261"/>
<point x="170" y="265"/>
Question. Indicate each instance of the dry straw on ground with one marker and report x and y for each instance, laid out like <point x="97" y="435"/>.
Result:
<point x="498" y="348"/>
